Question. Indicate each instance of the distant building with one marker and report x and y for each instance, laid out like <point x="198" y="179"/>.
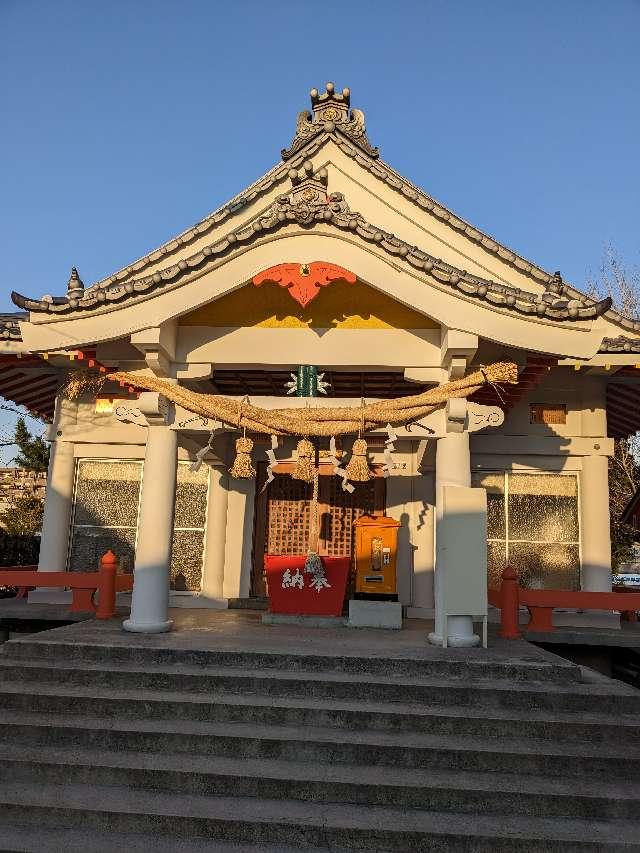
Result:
<point x="18" y="483"/>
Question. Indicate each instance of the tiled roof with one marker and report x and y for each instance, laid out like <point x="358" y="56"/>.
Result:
<point x="9" y="326"/>
<point x="620" y="344"/>
<point x="309" y="211"/>
<point x="331" y="118"/>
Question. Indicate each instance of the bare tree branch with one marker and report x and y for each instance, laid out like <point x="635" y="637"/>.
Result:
<point x="622" y="284"/>
<point x="12" y="409"/>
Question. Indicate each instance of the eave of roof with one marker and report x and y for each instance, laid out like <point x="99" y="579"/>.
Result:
<point x="333" y="211"/>
<point x="621" y="344"/>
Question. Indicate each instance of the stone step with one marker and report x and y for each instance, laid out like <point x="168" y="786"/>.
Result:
<point x="323" y="745"/>
<point x="24" y="839"/>
<point x="534" y="665"/>
<point x="88" y="700"/>
<point x="612" y="697"/>
<point x="433" y="790"/>
<point x="301" y="824"/>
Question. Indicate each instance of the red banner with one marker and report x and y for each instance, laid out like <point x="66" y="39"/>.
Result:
<point x="296" y="592"/>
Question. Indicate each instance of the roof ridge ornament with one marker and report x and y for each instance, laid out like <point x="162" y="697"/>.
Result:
<point x="75" y="285"/>
<point x="330" y="113"/>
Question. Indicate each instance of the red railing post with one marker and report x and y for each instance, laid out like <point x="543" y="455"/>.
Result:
<point x="510" y="605"/>
<point x="107" y="586"/>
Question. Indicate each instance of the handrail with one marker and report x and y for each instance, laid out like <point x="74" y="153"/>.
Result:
<point x="84" y="585"/>
<point x="541" y="603"/>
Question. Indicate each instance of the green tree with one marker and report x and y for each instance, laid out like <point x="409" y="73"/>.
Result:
<point x="23" y="517"/>
<point x="34" y="452"/>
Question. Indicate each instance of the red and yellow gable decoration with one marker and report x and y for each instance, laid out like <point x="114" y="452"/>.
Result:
<point x="341" y="306"/>
<point x="304" y="280"/>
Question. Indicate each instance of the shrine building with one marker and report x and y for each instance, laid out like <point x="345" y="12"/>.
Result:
<point x="335" y="278"/>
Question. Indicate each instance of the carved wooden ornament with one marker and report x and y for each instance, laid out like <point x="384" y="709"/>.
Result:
<point x="304" y="280"/>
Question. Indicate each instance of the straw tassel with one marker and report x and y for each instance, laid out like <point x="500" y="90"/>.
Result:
<point x="313" y="564"/>
<point x="242" y="469"/>
<point x="358" y="468"/>
<point x="304" y="469"/>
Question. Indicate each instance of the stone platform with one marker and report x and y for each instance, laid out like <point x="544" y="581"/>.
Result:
<point x="243" y="631"/>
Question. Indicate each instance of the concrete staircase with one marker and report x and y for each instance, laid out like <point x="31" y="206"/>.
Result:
<point x="183" y="750"/>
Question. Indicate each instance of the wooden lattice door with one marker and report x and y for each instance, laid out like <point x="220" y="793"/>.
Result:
<point x="282" y="515"/>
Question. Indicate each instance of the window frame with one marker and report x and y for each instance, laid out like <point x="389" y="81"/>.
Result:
<point x="507" y="474"/>
<point x="140" y="462"/>
<point x="72" y="525"/>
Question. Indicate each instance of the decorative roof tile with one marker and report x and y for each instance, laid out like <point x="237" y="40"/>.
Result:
<point x="620" y="344"/>
<point x="330" y="115"/>
<point x="9" y="326"/>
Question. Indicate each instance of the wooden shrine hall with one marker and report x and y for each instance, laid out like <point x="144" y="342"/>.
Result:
<point x="331" y="281"/>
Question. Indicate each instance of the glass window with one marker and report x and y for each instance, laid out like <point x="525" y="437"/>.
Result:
<point x="532" y="525"/>
<point x="105" y="513"/>
<point x="188" y="528"/>
<point x="105" y="516"/>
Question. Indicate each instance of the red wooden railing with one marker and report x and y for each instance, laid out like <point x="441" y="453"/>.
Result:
<point x="84" y="585"/>
<point x="541" y="603"/>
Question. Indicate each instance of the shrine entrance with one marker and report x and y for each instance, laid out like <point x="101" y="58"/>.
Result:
<point x="281" y="520"/>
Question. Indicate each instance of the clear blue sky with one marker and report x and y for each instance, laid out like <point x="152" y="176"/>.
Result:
<point x="125" y="122"/>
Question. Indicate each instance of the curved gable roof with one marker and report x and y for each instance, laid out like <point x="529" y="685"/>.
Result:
<point x="331" y="119"/>
<point x="306" y="206"/>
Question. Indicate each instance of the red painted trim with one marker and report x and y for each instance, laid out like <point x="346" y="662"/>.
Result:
<point x="84" y="585"/>
<point x="541" y="603"/>
<point x="304" y="280"/>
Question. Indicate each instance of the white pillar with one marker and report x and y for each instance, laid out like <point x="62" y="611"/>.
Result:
<point x="56" y="522"/>
<point x="453" y="468"/>
<point x="150" y="598"/>
<point x="594" y="524"/>
<point x="215" y="537"/>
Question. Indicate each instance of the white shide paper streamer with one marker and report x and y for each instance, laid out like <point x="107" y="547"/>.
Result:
<point x="337" y="470"/>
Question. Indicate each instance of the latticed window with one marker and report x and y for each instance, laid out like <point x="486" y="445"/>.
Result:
<point x="282" y="516"/>
<point x="532" y="524"/>
<point x="548" y="413"/>
<point x="105" y="516"/>
<point x="288" y="508"/>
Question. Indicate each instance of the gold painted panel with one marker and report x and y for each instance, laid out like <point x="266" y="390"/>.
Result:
<point x="339" y="306"/>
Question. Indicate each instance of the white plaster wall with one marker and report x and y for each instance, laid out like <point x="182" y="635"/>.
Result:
<point x="239" y="539"/>
<point x="423" y="538"/>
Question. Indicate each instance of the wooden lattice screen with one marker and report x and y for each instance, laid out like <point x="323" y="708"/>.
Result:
<point x="281" y="524"/>
<point x="288" y="516"/>
<point x="339" y="509"/>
